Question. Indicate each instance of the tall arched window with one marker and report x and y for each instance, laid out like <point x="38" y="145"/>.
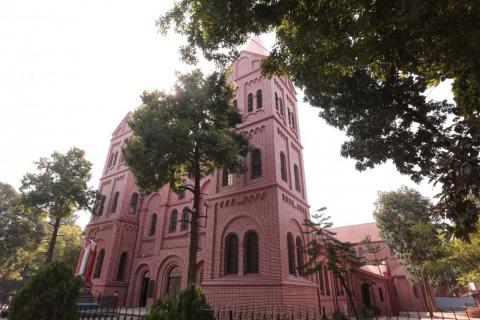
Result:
<point x="101" y="205"/>
<point x="227" y="178"/>
<point x="250" y="102"/>
<point x="122" y="266"/>
<point x="283" y="166"/>
<point x="182" y="193"/>
<point x="99" y="263"/>
<point x="110" y="163"/>
<point x="322" y="281"/>
<point x="276" y="102"/>
<point x="251" y="252"/>
<point x="114" y="202"/>
<point x="256" y="163"/>
<point x="289" y="117"/>
<point x="231" y="254"/>
<point x="291" y="254"/>
<point x="327" y="280"/>
<point x="294" y="123"/>
<point x="281" y="106"/>
<point x="297" y="177"/>
<point x="153" y="225"/>
<point x="300" y="263"/>
<point x="133" y="203"/>
<point x="185" y="218"/>
<point x="259" y="99"/>
<point x="173" y="283"/>
<point x="173" y="221"/>
<point x="115" y="158"/>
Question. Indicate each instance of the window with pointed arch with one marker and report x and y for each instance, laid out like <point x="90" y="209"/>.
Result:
<point x="133" y="203"/>
<point x="114" y="202"/>
<point x="281" y="106"/>
<point x="173" y="221"/>
<point x="276" y="102"/>
<point x="185" y="219"/>
<point x="250" y="102"/>
<point x="99" y="264"/>
<point x="115" y="159"/>
<point x="256" y="164"/>
<point x="259" y="99"/>
<point x="291" y="254"/>
<point x="110" y="163"/>
<point x="283" y="166"/>
<point x="327" y="280"/>
<point x="300" y="261"/>
<point x="231" y="254"/>
<point x="251" y="252"/>
<point x="122" y="264"/>
<point x="101" y="205"/>
<point x="227" y="178"/>
<point x="182" y="193"/>
<point x="153" y="225"/>
<point x="296" y="174"/>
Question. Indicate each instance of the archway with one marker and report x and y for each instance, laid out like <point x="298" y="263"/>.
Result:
<point x="144" y="289"/>
<point x="174" y="283"/>
<point x="366" y="298"/>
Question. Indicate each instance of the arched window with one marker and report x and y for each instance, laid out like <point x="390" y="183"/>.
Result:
<point x="185" y="218"/>
<point x="122" y="266"/>
<point x="145" y="288"/>
<point x="101" y="205"/>
<point x="133" y="203"/>
<point x="283" y="166"/>
<point x="173" y="283"/>
<point x="114" y="202"/>
<point x="322" y="281"/>
<point x="182" y="192"/>
<point x="291" y="254"/>
<point x="153" y="225"/>
<point x="227" y="178"/>
<point x="294" y="123"/>
<point x="231" y="254"/>
<point x="281" y="106"/>
<point x="173" y="221"/>
<point x="235" y="104"/>
<point x="259" y="99"/>
<point x="99" y="263"/>
<point x="297" y="177"/>
<point x="256" y="163"/>
<point x="289" y="117"/>
<point x="251" y="252"/>
<point x="300" y="263"/>
<point x="115" y="158"/>
<point x="327" y="280"/>
<point x="276" y="102"/>
<point x="110" y="163"/>
<point x="250" y="103"/>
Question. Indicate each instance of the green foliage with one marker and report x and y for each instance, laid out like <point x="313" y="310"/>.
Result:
<point x="373" y="251"/>
<point x="50" y="295"/>
<point x="367" y="65"/>
<point x="68" y="245"/>
<point x="368" y="312"/>
<point x="192" y="305"/>
<point x="339" y="315"/>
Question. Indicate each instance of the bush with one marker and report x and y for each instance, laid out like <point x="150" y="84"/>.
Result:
<point x="339" y="315"/>
<point x="368" y="312"/>
<point x="51" y="294"/>
<point x="192" y="305"/>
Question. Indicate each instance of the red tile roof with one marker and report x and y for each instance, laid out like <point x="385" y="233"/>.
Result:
<point x="357" y="232"/>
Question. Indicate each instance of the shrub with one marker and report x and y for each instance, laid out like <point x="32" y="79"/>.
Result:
<point x="339" y="315"/>
<point x="163" y="310"/>
<point x="368" y="312"/>
<point x="51" y="294"/>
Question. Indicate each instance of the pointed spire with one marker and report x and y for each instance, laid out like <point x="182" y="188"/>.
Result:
<point x="256" y="46"/>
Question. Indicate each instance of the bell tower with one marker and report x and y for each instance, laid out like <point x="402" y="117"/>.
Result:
<point x="254" y="224"/>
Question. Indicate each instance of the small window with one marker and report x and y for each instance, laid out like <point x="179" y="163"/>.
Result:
<point x="227" y="178"/>
<point x="114" y="202"/>
<point x="281" y="106"/>
<point x="173" y="221"/>
<point x="250" y="103"/>
<point x="289" y="117"/>
<point x="297" y="177"/>
<point x="110" y="163"/>
<point x="276" y="102"/>
<point x="182" y="193"/>
<point x="133" y="203"/>
<point x="256" y="163"/>
<point x="291" y="254"/>
<point x="259" y="99"/>
<point x="99" y="264"/>
<point x="101" y="205"/>
<point x="153" y="225"/>
<point x="185" y="219"/>
<point x="235" y="105"/>
<point x="121" y="266"/>
<point x="251" y="252"/>
<point x="380" y="293"/>
<point x="294" y="123"/>
<point x="300" y="262"/>
<point x="283" y="167"/>
<point x="231" y="254"/>
<point x="115" y="158"/>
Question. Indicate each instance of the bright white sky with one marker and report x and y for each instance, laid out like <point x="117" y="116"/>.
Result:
<point x="71" y="70"/>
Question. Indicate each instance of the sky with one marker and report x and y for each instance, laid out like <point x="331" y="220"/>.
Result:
<point x="71" y="70"/>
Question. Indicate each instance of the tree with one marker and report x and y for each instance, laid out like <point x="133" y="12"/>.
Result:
<point x="367" y="65"/>
<point x="59" y="188"/>
<point x="50" y="295"/>
<point x="21" y="233"/>
<point x="68" y="245"/>
<point x="338" y="256"/>
<point x="190" y="131"/>
<point x="403" y="218"/>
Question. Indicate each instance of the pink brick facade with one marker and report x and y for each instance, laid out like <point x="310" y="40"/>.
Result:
<point x="271" y="205"/>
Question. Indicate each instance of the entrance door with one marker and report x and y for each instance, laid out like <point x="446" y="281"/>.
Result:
<point x="144" y="290"/>
<point x="174" y="281"/>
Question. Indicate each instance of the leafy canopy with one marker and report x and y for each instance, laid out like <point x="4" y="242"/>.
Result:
<point x="367" y="65"/>
<point x="173" y="132"/>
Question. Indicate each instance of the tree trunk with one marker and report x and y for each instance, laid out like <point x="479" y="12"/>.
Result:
<point x="349" y="294"/>
<point x="193" y="248"/>
<point x="428" y="294"/>
<point x="53" y="240"/>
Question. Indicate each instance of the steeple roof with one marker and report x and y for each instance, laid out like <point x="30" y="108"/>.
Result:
<point x="255" y="45"/>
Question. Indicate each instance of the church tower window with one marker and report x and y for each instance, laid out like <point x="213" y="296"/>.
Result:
<point x="173" y="221"/>
<point x="231" y="254"/>
<point x="251" y="252"/>
<point x="250" y="103"/>
<point x="259" y="99"/>
<point x="300" y="262"/>
<point x="291" y="254"/>
<point x="276" y="102"/>
<point x="256" y="163"/>
<point x="283" y="166"/>
<point x="185" y="219"/>
<point x="115" y="202"/>
<point x="98" y="264"/>
<point x="296" y="173"/>
<point x="133" y="203"/>
<point x="122" y="266"/>
<point x="153" y="225"/>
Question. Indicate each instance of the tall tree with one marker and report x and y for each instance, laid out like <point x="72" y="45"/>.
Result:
<point x="190" y="131"/>
<point x="367" y="65"/>
<point x="59" y="188"/>
<point x="403" y="218"/>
